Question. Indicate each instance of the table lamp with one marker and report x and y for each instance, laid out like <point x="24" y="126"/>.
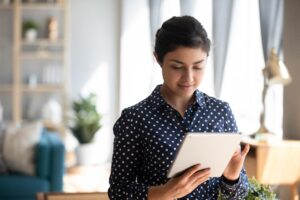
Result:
<point x="275" y="72"/>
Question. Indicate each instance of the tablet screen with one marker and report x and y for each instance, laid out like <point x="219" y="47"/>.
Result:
<point x="211" y="150"/>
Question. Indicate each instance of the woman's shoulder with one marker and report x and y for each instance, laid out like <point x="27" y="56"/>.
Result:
<point x="211" y="101"/>
<point x="137" y="108"/>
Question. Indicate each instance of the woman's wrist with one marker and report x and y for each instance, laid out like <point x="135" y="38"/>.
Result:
<point x="230" y="181"/>
<point x="158" y="193"/>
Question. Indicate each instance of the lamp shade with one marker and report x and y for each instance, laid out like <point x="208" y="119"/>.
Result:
<point x="275" y="71"/>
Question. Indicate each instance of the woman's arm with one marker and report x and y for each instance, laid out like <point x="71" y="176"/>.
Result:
<point x="126" y="162"/>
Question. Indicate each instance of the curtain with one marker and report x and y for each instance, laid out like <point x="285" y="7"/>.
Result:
<point x="242" y="79"/>
<point x="155" y="17"/>
<point x="135" y="52"/>
<point x="271" y="20"/>
<point x="222" y="11"/>
<point x="187" y="7"/>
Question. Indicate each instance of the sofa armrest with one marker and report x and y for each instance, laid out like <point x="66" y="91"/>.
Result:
<point x="50" y="160"/>
<point x="57" y="157"/>
<point x="43" y="157"/>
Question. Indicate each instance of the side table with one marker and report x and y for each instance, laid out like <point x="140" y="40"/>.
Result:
<point x="274" y="163"/>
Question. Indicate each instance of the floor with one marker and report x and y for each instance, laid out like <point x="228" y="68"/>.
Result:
<point x="93" y="178"/>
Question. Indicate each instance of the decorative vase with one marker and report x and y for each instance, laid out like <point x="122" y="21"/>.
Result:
<point x="52" y="111"/>
<point x="31" y="35"/>
<point x="87" y="154"/>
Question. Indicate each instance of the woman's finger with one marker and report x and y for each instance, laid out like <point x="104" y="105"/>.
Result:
<point x="246" y="150"/>
<point x="201" y="179"/>
<point x="192" y="170"/>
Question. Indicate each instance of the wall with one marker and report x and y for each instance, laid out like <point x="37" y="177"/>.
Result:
<point x="291" y="123"/>
<point x="94" y="51"/>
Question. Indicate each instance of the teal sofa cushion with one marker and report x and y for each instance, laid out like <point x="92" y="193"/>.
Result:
<point x="21" y="185"/>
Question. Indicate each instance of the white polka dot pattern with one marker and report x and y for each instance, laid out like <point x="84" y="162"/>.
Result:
<point x="147" y="136"/>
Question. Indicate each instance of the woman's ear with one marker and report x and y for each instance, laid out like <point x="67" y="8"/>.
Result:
<point x="156" y="58"/>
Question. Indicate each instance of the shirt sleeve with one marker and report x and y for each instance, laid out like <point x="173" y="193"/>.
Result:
<point x="230" y="123"/>
<point x="238" y="190"/>
<point x="126" y="162"/>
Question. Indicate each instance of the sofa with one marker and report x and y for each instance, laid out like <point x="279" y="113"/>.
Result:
<point x="49" y="171"/>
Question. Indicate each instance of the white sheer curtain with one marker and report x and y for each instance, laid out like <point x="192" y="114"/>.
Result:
<point x="242" y="83"/>
<point x="136" y="54"/>
<point x="243" y="79"/>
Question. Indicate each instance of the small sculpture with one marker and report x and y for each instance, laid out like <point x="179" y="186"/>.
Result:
<point x="52" y="29"/>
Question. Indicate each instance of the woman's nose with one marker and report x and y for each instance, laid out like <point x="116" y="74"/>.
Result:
<point x="188" y="75"/>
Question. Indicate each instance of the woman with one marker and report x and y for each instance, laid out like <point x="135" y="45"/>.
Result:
<point x="147" y="135"/>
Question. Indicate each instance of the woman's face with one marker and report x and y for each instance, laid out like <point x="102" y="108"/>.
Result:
<point x="183" y="70"/>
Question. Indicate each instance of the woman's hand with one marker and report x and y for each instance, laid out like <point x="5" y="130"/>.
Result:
<point x="180" y="186"/>
<point x="235" y="165"/>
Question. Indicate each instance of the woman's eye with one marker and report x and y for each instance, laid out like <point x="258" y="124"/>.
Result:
<point x="198" y="68"/>
<point x="176" y="67"/>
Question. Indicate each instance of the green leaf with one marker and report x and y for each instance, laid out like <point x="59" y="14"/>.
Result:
<point x="257" y="191"/>
<point x="86" y="120"/>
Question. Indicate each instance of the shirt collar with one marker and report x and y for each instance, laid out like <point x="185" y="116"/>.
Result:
<point x="200" y="98"/>
<point x="157" y="100"/>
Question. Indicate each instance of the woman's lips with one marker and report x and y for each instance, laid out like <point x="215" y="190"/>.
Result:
<point x="186" y="86"/>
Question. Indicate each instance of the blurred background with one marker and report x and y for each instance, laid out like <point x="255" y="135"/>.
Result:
<point x="56" y="53"/>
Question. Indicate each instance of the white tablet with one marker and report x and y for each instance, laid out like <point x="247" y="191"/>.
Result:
<point x="211" y="150"/>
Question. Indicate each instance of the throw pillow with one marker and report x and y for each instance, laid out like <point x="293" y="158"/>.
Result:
<point x="19" y="146"/>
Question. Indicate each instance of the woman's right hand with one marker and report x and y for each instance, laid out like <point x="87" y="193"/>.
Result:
<point x="181" y="185"/>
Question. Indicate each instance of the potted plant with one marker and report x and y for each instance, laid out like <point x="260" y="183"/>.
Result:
<point x="85" y="123"/>
<point x="30" y="29"/>
<point x="257" y="191"/>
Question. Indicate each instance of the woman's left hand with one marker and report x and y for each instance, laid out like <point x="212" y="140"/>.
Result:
<point x="235" y="165"/>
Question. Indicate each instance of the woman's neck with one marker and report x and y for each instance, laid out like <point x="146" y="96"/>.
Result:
<point x="178" y="103"/>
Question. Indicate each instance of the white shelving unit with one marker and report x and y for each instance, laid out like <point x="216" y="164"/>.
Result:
<point x="40" y="54"/>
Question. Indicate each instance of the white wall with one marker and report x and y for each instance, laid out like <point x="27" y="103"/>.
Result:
<point x="94" y="54"/>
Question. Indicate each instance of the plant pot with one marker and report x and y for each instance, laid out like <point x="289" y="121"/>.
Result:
<point x="87" y="154"/>
<point x="31" y="35"/>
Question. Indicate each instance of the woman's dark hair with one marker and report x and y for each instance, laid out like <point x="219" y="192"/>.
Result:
<point x="180" y="31"/>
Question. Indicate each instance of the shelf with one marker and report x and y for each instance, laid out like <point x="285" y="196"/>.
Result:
<point x="41" y="52"/>
<point x="42" y="55"/>
<point x="6" y="7"/>
<point x="43" y="88"/>
<point x="40" y="6"/>
<point x="43" y="42"/>
<point x="5" y="88"/>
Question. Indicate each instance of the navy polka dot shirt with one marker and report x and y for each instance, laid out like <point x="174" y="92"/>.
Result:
<point x="147" y="136"/>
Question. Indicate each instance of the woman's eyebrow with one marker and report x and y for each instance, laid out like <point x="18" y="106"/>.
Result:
<point x="180" y="62"/>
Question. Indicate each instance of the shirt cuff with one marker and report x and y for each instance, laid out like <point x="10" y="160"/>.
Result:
<point x="229" y="184"/>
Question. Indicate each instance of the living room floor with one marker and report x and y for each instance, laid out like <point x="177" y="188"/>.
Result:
<point x="92" y="178"/>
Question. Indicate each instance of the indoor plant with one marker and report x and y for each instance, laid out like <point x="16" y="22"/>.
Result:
<point x="85" y="123"/>
<point x="30" y="29"/>
<point x="257" y="191"/>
